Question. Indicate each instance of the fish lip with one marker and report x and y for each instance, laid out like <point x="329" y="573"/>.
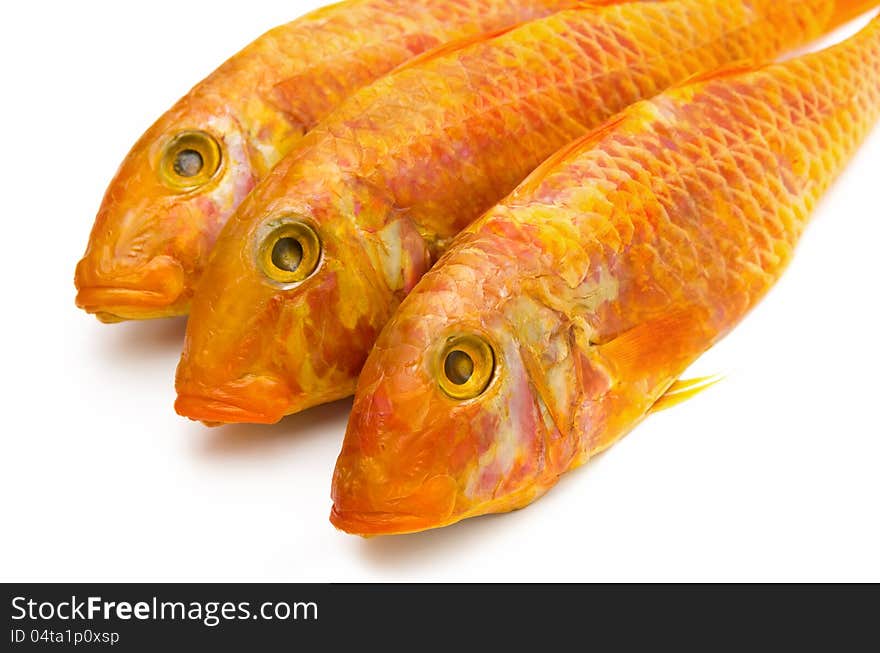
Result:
<point x="372" y="523"/>
<point x="227" y="404"/>
<point x="252" y="399"/>
<point x="126" y="297"/>
<point x="115" y="303"/>
<point x="213" y="410"/>
<point x="430" y="505"/>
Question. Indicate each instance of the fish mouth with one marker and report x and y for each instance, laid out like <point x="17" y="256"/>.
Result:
<point x="152" y="291"/>
<point x="249" y="400"/>
<point x="119" y="304"/>
<point x="431" y="506"/>
<point x="371" y="524"/>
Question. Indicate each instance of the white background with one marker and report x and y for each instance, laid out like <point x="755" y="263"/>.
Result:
<point x="770" y="475"/>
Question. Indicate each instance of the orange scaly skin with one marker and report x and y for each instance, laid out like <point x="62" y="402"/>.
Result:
<point x="150" y="242"/>
<point x="397" y="170"/>
<point x="597" y="282"/>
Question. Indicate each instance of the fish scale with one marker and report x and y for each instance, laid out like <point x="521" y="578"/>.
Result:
<point x="771" y="209"/>
<point x="347" y="45"/>
<point x="400" y="168"/>
<point x="596" y="283"/>
<point x="514" y="89"/>
<point x="151" y="238"/>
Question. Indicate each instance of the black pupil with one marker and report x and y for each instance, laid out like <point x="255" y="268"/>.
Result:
<point x="287" y="254"/>
<point x="459" y="367"/>
<point x="188" y="163"/>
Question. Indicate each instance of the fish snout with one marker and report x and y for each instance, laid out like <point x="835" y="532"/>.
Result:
<point x="367" y="501"/>
<point x="253" y="399"/>
<point x="154" y="289"/>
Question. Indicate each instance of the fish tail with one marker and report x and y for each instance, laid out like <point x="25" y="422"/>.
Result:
<point x="845" y="10"/>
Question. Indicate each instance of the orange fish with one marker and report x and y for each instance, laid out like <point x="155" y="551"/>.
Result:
<point x="317" y="259"/>
<point x="189" y="172"/>
<point x="566" y="314"/>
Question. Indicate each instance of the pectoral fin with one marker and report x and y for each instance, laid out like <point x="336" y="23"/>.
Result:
<point x="682" y="390"/>
<point x="656" y="347"/>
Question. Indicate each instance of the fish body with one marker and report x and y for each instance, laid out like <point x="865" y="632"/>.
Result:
<point x="593" y="287"/>
<point x="187" y="174"/>
<point x="382" y="185"/>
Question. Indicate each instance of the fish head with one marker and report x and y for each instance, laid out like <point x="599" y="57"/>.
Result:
<point x="300" y="283"/>
<point x="163" y="210"/>
<point x="451" y="417"/>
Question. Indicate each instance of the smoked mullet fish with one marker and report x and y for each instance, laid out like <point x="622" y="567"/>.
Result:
<point x="187" y="174"/>
<point x="563" y="316"/>
<point x="319" y="256"/>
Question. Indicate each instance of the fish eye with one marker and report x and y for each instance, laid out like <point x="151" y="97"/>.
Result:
<point x="466" y="366"/>
<point x="189" y="160"/>
<point x="291" y="252"/>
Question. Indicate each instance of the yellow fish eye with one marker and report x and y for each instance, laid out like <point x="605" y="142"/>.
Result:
<point x="291" y="252"/>
<point x="467" y="363"/>
<point x="189" y="160"/>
